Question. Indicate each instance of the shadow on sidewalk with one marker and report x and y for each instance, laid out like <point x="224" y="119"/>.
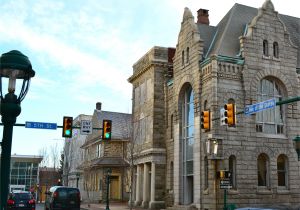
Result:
<point x="112" y="206"/>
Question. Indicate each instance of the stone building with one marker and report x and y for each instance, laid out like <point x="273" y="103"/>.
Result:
<point x="74" y="156"/>
<point x="252" y="55"/>
<point x="103" y="155"/>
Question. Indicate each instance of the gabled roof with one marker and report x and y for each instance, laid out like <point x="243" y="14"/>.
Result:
<point x="121" y="126"/>
<point x="223" y="39"/>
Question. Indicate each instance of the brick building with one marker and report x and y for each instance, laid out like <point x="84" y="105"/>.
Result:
<point x="252" y="55"/>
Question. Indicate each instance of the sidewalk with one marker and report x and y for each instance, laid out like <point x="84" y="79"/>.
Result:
<point x="112" y="206"/>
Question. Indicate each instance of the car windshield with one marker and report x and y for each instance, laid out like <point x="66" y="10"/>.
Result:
<point x="22" y="196"/>
<point x="67" y="194"/>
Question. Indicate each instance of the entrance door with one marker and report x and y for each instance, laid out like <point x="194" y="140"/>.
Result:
<point x="114" y="188"/>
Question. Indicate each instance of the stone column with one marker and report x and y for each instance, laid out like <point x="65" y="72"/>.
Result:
<point x="138" y="187"/>
<point x="177" y="174"/>
<point x="152" y="198"/>
<point x="146" y="189"/>
<point x="155" y="204"/>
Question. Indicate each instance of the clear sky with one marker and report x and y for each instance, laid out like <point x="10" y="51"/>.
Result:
<point x="83" y="52"/>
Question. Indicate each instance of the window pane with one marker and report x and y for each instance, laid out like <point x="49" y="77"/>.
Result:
<point x="262" y="171"/>
<point x="281" y="178"/>
<point x="270" y="118"/>
<point x="189" y="167"/>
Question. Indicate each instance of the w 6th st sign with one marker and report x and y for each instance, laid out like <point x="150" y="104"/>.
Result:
<point x="251" y="109"/>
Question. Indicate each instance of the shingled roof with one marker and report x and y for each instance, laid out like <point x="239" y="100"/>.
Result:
<point x="223" y="39"/>
<point x="121" y="126"/>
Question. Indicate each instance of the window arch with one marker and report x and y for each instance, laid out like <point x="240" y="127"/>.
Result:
<point x="232" y="169"/>
<point x="270" y="120"/>
<point x="265" y="48"/>
<point x="275" y="50"/>
<point x="182" y="58"/>
<point x="187" y="144"/>
<point x="282" y="162"/>
<point x="263" y="170"/>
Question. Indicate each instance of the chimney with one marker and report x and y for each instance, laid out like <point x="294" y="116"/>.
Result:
<point x="98" y="106"/>
<point x="203" y="16"/>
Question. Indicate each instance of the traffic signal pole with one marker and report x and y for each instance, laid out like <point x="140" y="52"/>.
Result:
<point x="278" y="103"/>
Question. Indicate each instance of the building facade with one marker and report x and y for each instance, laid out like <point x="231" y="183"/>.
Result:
<point x="24" y="172"/>
<point x="48" y="177"/>
<point x="251" y="56"/>
<point x="101" y="156"/>
<point x="74" y="156"/>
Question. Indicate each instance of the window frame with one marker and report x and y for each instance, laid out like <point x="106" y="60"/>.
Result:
<point x="275" y="50"/>
<point x="264" y="122"/>
<point x="265" y="48"/>
<point x="283" y="171"/>
<point x="265" y="180"/>
<point x="232" y="169"/>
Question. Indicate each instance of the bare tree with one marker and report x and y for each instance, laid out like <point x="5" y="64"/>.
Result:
<point x="44" y="153"/>
<point x="133" y="148"/>
<point x="55" y="155"/>
<point x="68" y="161"/>
<point x="87" y="185"/>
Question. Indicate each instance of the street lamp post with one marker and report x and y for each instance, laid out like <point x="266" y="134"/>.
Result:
<point x="13" y="65"/>
<point x="107" y="188"/>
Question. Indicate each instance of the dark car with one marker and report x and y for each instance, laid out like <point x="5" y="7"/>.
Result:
<point x="61" y="197"/>
<point x="20" y="200"/>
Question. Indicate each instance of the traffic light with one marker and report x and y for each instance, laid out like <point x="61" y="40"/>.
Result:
<point x="229" y="113"/>
<point x="224" y="174"/>
<point x="205" y="120"/>
<point x="106" y="131"/>
<point x="67" y="127"/>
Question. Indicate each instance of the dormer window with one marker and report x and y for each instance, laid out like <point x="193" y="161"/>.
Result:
<point x="275" y="50"/>
<point x="265" y="48"/>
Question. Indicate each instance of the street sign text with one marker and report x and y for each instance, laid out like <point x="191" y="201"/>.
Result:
<point x="41" y="125"/>
<point x="251" y="109"/>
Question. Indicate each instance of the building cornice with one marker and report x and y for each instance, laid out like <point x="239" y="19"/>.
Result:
<point x="222" y="58"/>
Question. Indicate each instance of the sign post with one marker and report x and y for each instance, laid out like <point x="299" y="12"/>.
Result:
<point x="225" y="184"/>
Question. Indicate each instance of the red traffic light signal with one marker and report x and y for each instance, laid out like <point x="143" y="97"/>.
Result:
<point x="229" y="113"/>
<point x="205" y="120"/>
<point x="67" y="127"/>
<point x="106" y="131"/>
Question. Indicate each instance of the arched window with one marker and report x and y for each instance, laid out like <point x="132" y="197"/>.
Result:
<point x="275" y="50"/>
<point x="171" y="175"/>
<point x="270" y="120"/>
<point x="187" y="55"/>
<point x="232" y="169"/>
<point x="182" y="58"/>
<point x="263" y="170"/>
<point x="187" y="136"/>
<point x="282" y="170"/>
<point x="206" y="172"/>
<point x="265" y="48"/>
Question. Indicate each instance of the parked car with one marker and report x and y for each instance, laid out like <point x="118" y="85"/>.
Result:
<point x="61" y="197"/>
<point x="19" y="199"/>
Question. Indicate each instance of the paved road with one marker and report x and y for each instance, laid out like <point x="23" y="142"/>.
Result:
<point x="39" y="206"/>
